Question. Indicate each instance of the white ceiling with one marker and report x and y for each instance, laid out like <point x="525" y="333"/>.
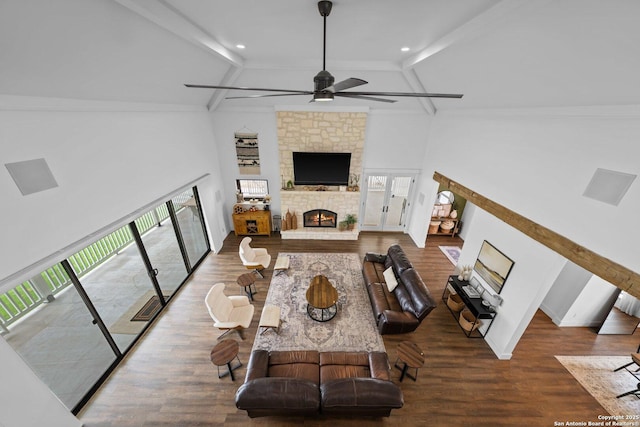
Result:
<point x="499" y="54"/>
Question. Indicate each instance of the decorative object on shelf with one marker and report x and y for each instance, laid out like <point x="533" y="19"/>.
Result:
<point x="247" y="151"/>
<point x="294" y="221"/>
<point x="468" y="321"/>
<point x="492" y="300"/>
<point x="343" y="225"/>
<point x="454" y="302"/>
<point x="239" y="197"/>
<point x="289" y="185"/>
<point x="353" y="182"/>
<point x="238" y="209"/>
<point x="453" y="214"/>
<point x="447" y="226"/>
<point x="434" y="226"/>
<point x="465" y="273"/>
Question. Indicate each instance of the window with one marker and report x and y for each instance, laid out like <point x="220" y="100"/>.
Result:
<point x="253" y="188"/>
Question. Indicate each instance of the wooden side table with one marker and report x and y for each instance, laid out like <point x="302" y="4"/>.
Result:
<point x="223" y="354"/>
<point x="247" y="280"/>
<point x="410" y="355"/>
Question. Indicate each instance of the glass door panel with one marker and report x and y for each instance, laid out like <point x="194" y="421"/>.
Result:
<point x="60" y="341"/>
<point x="397" y="203"/>
<point x="190" y="225"/>
<point x="386" y="202"/>
<point x="120" y="289"/>
<point x="376" y="188"/>
<point x="161" y="244"/>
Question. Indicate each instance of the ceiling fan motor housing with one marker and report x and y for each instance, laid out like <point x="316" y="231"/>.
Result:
<point x="321" y="81"/>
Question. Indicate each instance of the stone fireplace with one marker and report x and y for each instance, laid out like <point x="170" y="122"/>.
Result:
<point x="320" y="131"/>
<point x="320" y="218"/>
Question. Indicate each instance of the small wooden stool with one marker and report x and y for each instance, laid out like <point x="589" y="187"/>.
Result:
<point x="410" y="355"/>
<point x="247" y="280"/>
<point x="269" y="319"/>
<point x="223" y="354"/>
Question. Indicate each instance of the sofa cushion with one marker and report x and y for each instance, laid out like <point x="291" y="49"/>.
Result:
<point x="289" y="394"/>
<point x="399" y="259"/>
<point x="390" y="279"/>
<point x="295" y="364"/>
<point x="334" y="365"/>
<point x="350" y="393"/>
<point x="421" y="300"/>
<point x="372" y="272"/>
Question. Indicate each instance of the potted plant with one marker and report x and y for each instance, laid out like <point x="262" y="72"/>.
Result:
<point x="343" y="225"/>
<point x="351" y="221"/>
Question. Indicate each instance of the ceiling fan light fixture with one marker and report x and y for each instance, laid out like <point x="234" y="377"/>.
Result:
<point x="322" y="96"/>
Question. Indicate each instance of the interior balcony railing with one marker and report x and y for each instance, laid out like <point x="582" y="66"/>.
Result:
<point x="27" y="296"/>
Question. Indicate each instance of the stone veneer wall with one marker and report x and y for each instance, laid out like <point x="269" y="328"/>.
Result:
<point x="320" y="132"/>
<point x="315" y="131"/>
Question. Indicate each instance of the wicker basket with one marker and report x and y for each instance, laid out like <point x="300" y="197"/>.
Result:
<point x="468" y="321"/>
<point x="454" y="302"/>
<point x="447" y="226"/>
<point x="433" y="226"/>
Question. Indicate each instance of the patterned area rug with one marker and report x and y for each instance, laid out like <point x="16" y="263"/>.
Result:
<point x="451" y="252"/>
<point x="595" y="374"/>
<point x="352" y="329"/>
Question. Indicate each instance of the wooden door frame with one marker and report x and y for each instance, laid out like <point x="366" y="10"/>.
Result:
<point x="612" y="272"/>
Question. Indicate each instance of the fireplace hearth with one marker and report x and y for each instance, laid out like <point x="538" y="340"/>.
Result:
<point x="320" y="218"/>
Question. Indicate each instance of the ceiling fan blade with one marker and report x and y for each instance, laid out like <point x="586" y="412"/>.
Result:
<point x="369" y="98"/>
<point x="269" y="95"/>
<point x="346" y="84"/>
<point x="410" y="94"/>
<point x="306" y="92"/>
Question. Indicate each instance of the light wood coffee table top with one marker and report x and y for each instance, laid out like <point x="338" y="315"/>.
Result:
<point x="321" y="293"/>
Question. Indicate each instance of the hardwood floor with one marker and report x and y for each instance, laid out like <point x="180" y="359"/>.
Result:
<point x="168" y="379"/>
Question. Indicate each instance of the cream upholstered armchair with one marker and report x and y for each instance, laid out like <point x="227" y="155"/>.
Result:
<point x="255" y="259"/>
<point x="228" y="312"/>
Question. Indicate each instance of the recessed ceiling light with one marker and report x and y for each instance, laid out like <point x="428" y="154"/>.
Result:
<point x="404" y="49"/>
<point x="240" y="46"/>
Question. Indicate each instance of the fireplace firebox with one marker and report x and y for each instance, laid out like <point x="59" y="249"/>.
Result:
<point x="320" y="218"/>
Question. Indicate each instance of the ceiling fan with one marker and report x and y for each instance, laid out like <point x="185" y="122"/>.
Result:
<point x="324" y="87"/>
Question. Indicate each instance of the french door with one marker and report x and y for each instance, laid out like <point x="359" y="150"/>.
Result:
<point x="386" y="200"/>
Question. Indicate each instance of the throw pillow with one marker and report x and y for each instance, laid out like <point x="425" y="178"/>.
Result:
<point x="390" y="279"/>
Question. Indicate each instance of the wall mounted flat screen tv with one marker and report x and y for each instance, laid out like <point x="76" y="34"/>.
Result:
<point x="321" y="168"/>
<point x="493" y="266"/>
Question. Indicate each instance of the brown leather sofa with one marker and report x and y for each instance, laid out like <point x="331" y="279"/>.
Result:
<point x="307" y="383"/>
<point x="403" y="309"/>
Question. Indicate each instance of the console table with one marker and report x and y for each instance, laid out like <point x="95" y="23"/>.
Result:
<point x="474" y="305"/>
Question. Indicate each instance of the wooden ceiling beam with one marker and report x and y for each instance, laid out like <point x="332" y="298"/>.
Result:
<point x="612" y="272"/>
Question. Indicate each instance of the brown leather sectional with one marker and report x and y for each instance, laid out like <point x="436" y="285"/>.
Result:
<point x="305" y="383"/>
<point x="403" y="309"/>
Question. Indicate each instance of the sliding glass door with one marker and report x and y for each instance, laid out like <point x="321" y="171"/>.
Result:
<point x="73" y="322"/>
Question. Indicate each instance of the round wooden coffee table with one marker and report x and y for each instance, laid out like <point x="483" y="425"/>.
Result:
<point x="321" y="298"/>
<point x="410" y="355"/>
<point x="223" y="354"/>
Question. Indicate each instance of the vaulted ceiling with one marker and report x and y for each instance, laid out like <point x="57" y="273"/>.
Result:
<point x="499" y="54"/>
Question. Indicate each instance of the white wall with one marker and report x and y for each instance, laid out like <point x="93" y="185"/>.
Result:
<point x="24" y="400"/>
<point x="567" y="287"/>
<point x="393" y="140"/>
<point x="533" y="273"/>
<point x="107" y="165"/>
<point x="593" y="305"/>
<point x="225" y="124"/>
<point x="538" y="163"/>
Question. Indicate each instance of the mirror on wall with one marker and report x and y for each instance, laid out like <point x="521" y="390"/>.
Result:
<point x="445" y="198"/>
